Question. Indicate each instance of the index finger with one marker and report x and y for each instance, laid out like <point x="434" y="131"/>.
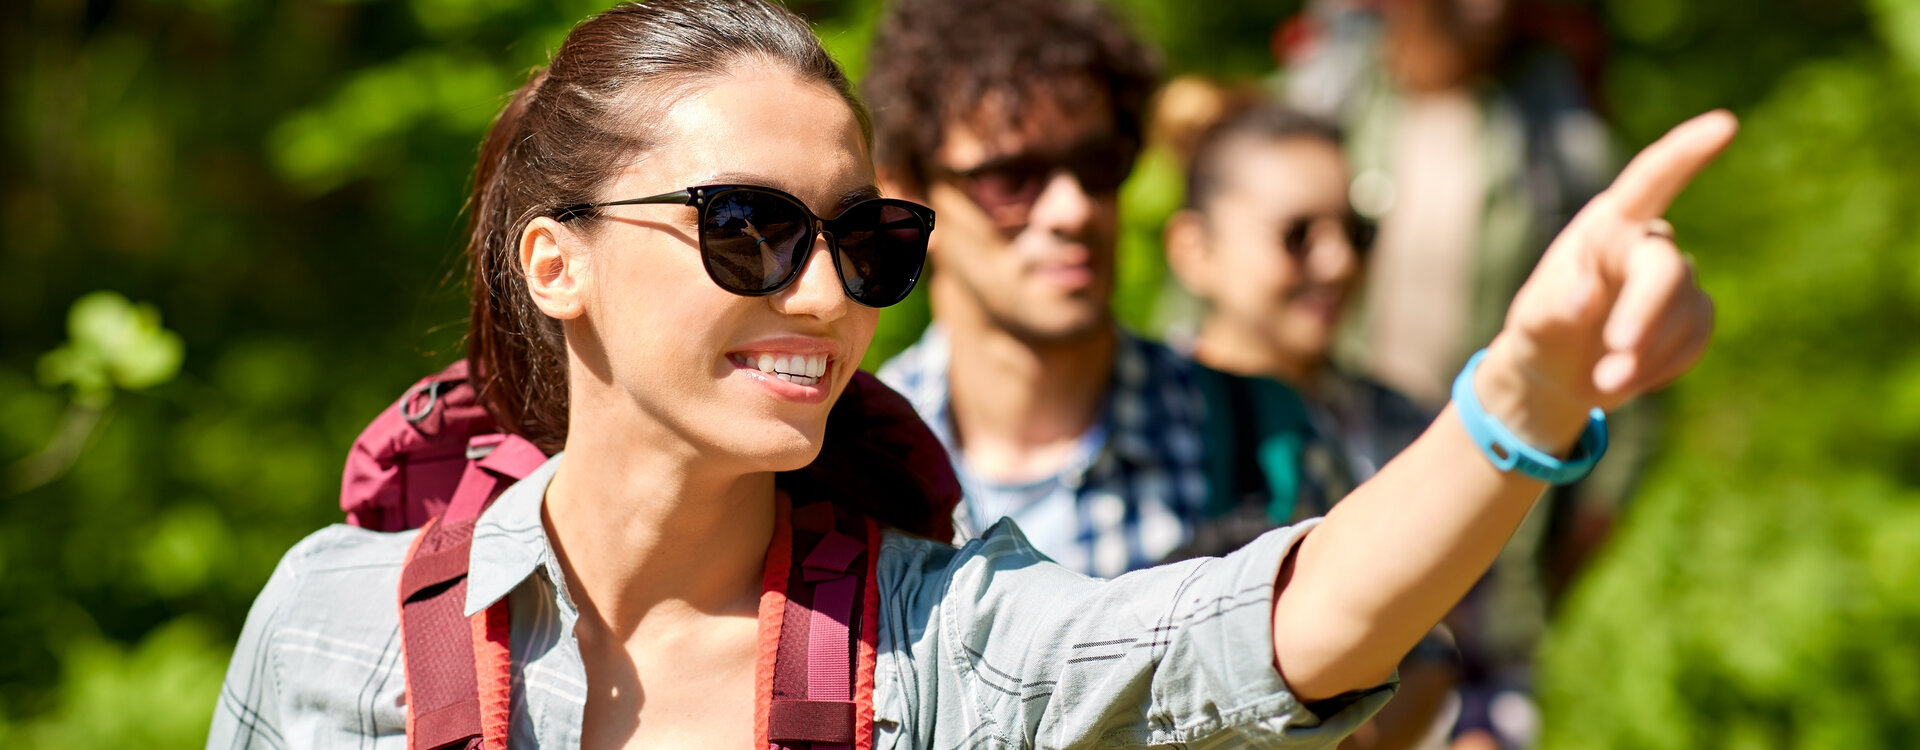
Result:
<point x="1657" y="175"/>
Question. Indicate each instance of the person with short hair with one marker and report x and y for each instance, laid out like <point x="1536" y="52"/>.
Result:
<point x="1269" y="243"/>
<point x="1018" y="122"/>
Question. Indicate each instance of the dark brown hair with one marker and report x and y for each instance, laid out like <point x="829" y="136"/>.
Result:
<point x="935" y="61"/>
<point x="1262" y="122"/>
<point x="569" y="131"/>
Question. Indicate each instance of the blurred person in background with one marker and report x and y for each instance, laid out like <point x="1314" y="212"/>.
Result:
<point x="1473" y="142"/>
<point x="1017" y="122"/>
<point x="1269" y="243"/>
<point x="1271" y="247"/>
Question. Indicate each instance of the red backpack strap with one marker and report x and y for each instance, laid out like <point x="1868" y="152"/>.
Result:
<point x="445" y="653"/>
<point x="459" y="670"/>
<point x="494" y="462"/>
<point x="818" y="632"/>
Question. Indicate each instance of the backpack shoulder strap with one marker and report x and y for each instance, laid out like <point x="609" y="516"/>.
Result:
<point x="815" y="660"/>
<point x="457" y="669"/>
<point x="1256" y="431"/>
<point x="818" y="630"/>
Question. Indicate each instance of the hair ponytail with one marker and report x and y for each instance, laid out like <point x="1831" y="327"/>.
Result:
<point x="518" y="353"/>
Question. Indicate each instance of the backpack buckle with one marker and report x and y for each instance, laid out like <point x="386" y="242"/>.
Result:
<point x="433" y="391"/>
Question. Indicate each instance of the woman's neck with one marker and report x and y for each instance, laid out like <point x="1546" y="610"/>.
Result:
<point x="1230" y="349"/>
<point x="644" y="532"/>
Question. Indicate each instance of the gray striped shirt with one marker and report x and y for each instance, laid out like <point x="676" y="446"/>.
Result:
<point x="988" y="645"/>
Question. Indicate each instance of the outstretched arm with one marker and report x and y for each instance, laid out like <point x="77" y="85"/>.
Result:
<point x="1612" y="311"/>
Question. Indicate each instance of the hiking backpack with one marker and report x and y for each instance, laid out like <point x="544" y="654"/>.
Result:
<point x="435" y="460"/>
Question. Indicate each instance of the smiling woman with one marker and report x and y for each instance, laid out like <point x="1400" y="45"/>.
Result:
<point x="686" y="349"/>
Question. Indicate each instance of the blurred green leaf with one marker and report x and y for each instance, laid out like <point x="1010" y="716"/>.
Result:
<point x="190" y="543"/>
<point x="153" y="695"/>
<point x="113" y="342"/>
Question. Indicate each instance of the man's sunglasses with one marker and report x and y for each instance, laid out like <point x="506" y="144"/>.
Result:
<point x="755" y="241"/>
<point x="1007" y="187"/>
<point x="1296" y="238"/>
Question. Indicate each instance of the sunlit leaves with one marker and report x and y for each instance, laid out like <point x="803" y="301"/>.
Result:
<point x="1762" y="592"/>
<point x="113" y="343"/>
<point x="361" y="129"/>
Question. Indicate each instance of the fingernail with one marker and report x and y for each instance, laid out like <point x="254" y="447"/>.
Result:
<point x="1611" y="374"/>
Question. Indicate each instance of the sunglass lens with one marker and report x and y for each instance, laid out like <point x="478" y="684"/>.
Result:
<point x="751" y="240"/>
<point x="883" y="246"/>
<point x="1295" y="237"/>
<point x="1362" y="232"/>
<point x="1102" y="168"/>
<point x="1007" y="190"/>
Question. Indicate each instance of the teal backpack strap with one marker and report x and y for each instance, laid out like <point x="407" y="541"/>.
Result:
<point x="1257" y="432"/>
<point x="1222" y="440"/>
<point x="1284" y="428"/>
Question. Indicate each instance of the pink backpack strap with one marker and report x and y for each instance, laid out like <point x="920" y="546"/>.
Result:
<point x="494" y="462"/>
<point x="459" y="671"/>
<point x="819" y="684"/>
<point x="439" y="647"/>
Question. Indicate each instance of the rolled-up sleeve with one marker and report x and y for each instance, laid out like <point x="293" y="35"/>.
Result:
<point x="1017" y="651"/>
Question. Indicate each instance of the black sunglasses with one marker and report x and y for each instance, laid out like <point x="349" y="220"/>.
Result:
<point x="1296" y="237"/>
<point x="1006" y="187"/>
<point x="755" y="241"/>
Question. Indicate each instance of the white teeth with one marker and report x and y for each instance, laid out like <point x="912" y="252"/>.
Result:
<point x="796" y="368"/>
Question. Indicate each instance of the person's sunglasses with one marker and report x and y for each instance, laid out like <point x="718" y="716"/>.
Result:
<point x="1297" y="237"/>
<point x="755" y="241"/>
<point x="1007" y="187"/>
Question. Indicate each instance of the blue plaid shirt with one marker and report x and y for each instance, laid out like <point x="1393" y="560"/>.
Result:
<point x="1131" y="494"/>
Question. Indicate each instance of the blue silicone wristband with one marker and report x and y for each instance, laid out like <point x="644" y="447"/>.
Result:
<point x="1509" y="453"/>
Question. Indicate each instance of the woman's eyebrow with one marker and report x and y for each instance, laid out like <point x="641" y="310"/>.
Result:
<point x="856" y="195"/>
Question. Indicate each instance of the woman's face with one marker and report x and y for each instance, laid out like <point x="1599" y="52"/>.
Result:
<point x="1277" y="193"/>
<point x="664" y="357"/>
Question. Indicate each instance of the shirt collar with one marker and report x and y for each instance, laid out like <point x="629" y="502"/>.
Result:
<point x="510" y="541"/>
<point x="1124" y="420"/>
<point x="922" y="378"/>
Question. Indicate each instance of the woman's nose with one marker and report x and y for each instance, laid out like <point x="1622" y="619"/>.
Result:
<point x="818" y="292"/>
<point x="1332" y="256"/>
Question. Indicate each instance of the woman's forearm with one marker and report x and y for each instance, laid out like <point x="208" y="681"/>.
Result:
<point x="1612" y="311"/>
<point x="1394" y="556"/>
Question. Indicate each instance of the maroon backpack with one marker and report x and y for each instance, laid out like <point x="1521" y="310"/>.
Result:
<point x="436" y="459"/>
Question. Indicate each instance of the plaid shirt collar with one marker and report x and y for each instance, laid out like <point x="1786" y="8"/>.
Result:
<point x="1140" y="489"/>
<point x="920" y="374"/>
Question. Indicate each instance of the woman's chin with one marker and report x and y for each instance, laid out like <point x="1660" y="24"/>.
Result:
<point x="780" y="447"/>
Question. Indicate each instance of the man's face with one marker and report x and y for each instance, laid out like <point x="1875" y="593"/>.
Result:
<point x="1028" y="217"/>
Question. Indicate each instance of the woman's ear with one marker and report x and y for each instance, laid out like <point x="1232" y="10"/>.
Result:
<point x="553" y="265"/>
<point x="1188" y="254"/>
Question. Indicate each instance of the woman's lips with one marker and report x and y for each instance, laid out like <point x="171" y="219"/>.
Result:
<point x="789" y="376"/>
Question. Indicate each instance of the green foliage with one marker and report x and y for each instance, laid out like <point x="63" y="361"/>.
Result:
<point x="112" y="343"/>
<point x="156" y="694"/>
<point x="283" y="181"/>
<point x="1763" y="592"/>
